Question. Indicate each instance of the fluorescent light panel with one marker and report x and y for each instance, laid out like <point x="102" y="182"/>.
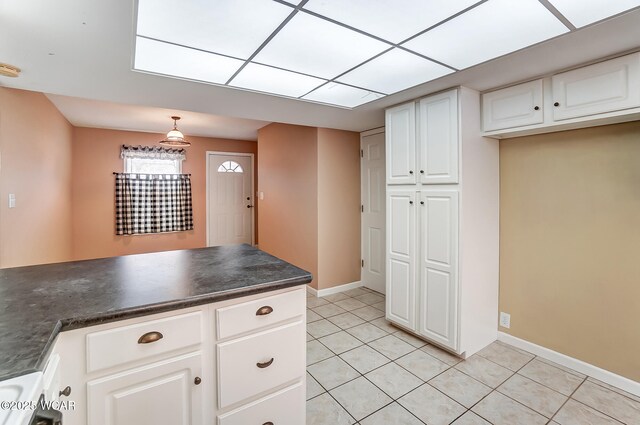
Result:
<point x="488" y="31"/>
<point x="394" y="71"/>
<point x="272" y="80"/>
<point x="163" y="58"/>
<point x="339" y="94"/>
<point x="314" y="46"/>
<point x="585" y="12"/>
<point x="394" y="21"/>
<point x="234" y="28"/>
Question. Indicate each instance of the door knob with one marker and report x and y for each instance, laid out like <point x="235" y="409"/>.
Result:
<point x="249" y="206"/>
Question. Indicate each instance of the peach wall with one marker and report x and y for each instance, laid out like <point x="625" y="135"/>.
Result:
<point x="96" y="155"/>
<point x="288" y="177"/>
<point x="35" y="165"/>
<point x="338" y="207"/>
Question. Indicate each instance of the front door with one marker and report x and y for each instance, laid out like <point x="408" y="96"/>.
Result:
<point x="230" y="199"/>
<point x="373" y="211"/>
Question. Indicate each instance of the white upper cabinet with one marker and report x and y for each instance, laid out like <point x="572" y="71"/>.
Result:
<point x="438" y="130"/>
<point x="603" y="87"/>
<point x="514" y="106"/>
<point x="401" y="144"/>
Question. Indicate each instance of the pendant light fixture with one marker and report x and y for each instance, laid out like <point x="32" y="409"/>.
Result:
<point x="175" y="137"/>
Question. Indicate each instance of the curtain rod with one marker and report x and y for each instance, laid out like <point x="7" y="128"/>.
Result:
<point x="181" y="174"/>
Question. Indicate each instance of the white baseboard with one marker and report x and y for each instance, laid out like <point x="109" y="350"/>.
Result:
<point x="333" y="290"/>
<point x="603" y="375"/>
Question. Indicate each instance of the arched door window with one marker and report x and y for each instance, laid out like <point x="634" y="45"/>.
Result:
<point x="230" y="167"/>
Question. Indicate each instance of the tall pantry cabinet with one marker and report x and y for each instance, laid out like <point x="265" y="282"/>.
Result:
<point x="442" y="221"/>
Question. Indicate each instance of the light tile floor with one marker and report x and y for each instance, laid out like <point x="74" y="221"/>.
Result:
<point x="362" y="370"/>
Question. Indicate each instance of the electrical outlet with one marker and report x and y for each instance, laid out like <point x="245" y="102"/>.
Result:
<point x="12" y="200"/>
<point x="505" y="320"/>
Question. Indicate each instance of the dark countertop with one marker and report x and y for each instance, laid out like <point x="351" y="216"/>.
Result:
<point x="37" y="302"/>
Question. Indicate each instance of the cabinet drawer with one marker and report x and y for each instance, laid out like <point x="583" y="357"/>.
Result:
<point x="249" y="316"/>
<point x="286" y="407"/>
<point x="250" y="365"/>
<point x="121" y="345"/>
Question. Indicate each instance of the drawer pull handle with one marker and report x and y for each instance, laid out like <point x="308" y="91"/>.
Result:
<point x="150" y="337"/>
<point x="268" y="423"/>
<point x="262" y="365"/>
<point x="263" y="311"/>
<point x="66" y="392"/>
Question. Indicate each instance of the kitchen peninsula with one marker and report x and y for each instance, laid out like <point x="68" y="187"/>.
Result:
<point x="175" y="337"/>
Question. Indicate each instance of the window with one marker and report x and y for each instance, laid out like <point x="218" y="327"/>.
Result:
<point x="230" y="167"/>
<point x="152" y="160"/>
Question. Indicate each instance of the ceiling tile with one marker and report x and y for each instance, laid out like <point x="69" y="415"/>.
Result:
<point x="317" y="47"/>
<point x="235" y="28"/>
<point x="490" y="30"/>
<point x="581" y="12"/>
<point x="394" y="71"/>
<point x="339" y="94"/>
<point x="394" y="21"/>
<point x="163" y="58"/>
<point x="272" y="80"/>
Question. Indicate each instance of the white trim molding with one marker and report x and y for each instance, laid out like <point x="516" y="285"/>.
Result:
<point x="333" y="290"/>
<point x="603" y="375"/>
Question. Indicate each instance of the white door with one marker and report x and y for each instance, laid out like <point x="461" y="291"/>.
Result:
<point x="401" y="264"/>
<point x="438" y="129"/>
<point x="400" y="129"/>
<point x="515" y="106"/>
<point x="163" y="393"/>
<point x="438" y="289"/>
<point x="230" y="199"/>
<point x="373" y="211"/>
<point x="602" y="87"/>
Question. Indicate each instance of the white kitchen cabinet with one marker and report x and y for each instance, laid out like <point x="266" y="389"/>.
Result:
<point x="285" y="407"/>
<point x="442" y="230"/>
<point x="401" y="144"/>
<point x="438" y="138"/>
<point x="604" y="93"/>
<point x="401" y="254"/>
<point x="160" y="393"/>
<point x="603" y="87"/>
<point x="514" y="106"/>
<point x="438" y="289"/>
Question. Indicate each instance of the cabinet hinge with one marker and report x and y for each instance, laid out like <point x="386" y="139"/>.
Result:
<point x="361" y="153"/>
<point x="362" y="263"/>
<point x="361" y="208"/>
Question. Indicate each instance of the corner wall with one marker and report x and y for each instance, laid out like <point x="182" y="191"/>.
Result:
<point x="35" y="165"/>
<point x="570" y="243"/>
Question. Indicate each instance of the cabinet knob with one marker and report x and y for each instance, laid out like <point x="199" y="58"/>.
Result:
<point x="263" y="311"/>
<point x="410" y="171"/>
<point x="197" y="380"/>
<point x="536" y="108"/>
<point x="421" y="171"/>
<point x="262" y="365"/>
<point x="150" y="337"/>
<point x="410" y="202"/>
<point x="556" y="104"/>
<point x="421" y="202"/>
<point x="66" y="392"/>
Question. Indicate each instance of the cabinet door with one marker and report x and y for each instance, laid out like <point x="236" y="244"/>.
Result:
<point x="438" y="289"/>
<point x="401" y="265"/>
<point x="438" y="127"/>
<point x="515" y="106"/>
<point x="401" y="144"/>
<point x="603" y="87"/>
<point x="161" y="393"/>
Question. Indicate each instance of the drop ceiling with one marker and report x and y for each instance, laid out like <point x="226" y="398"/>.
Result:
<point x="345" y="53"/>
<point x="84" y="50"/>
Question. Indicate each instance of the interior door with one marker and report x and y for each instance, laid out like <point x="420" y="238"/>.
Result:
<point x="230" y="199"/>
<point x="373" y="211"/>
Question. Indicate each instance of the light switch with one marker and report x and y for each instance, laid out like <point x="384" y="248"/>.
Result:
<point x="262" y="196"/>
<point x="12" y="200"/>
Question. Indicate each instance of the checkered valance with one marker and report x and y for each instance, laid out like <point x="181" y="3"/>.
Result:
<point x="153" y="203"/>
